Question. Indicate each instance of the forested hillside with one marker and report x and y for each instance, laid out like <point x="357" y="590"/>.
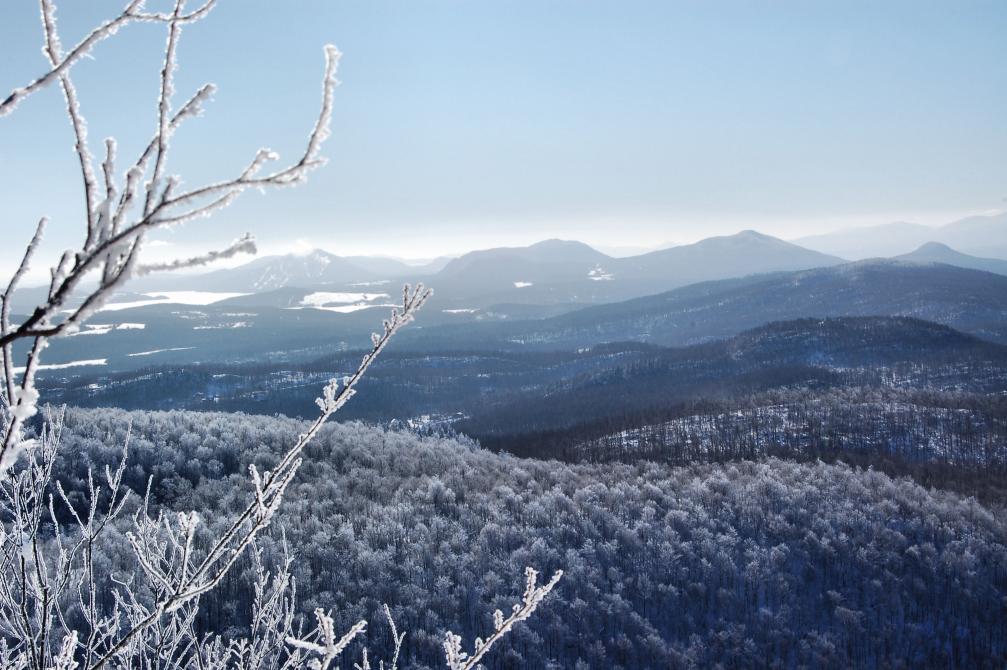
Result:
<point x="808" y="354"/>
<point x="519" y="388"/>
<point x="739" y="565"/>
<point x="948" y="440"/>
<point x="900" y="393"/>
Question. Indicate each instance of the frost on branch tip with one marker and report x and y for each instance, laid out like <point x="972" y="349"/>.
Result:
<point x="329" y="83"/>
<point x="10" y="456"/>
<point x="332" y="399"/>
<point x="328" y="647"/>
<point x="457" y="659"/>
<point x="24" y="404"/>
<point x="65" y="659"/>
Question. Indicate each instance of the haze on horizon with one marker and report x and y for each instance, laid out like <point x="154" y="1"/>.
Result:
<point x="468" y="125"/>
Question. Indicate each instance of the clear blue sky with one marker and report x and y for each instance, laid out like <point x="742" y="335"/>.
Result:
<point x="462" y="124"/>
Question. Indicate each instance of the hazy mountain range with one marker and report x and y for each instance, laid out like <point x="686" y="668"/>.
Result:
<point x="549" y="272"/>
<point x="563" y="271"/>
<point x="248" y="328"/>
<point x="553" y="274"/>
<point x="551" y="295"/>
<point x="977" y="235"/>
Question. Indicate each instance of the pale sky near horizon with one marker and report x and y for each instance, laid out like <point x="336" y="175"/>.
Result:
<point x="463" y="124"/>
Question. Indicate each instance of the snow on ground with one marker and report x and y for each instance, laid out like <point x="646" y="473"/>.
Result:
<point x="71" y="364"/>
<point x="463" y="310"/>
<point x="158" y="351"/>
<point x="224" y="326"/>
<point x="598" y="274"/>
<point x="324" y="298"/>
<point x="105" y="328"/>
<point x="173" y="297"/>
<point x="522" y="284"/>
<point x="346" y="308"/>
<point x="341" y="303"/>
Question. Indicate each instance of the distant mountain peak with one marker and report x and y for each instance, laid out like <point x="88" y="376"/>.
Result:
<point x="556" y="245"/>
<point x="747" y="252"/>
<point x="938" y="252"/>
<point x="744" y="237"/>
<point x="318" y="254"/>
<point x="753" y="234"/>
<point x="556" y="242"/>
<point x="930" y="247"/>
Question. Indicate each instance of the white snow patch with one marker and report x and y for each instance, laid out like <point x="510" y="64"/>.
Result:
<point x="224" y="326"/>
<point x="158" y="351"/>
<point x="173" y="297"/>
<point x="380" y="282"/>
<point x="598" y="274"/>
<point x="71" y="364"/>
<point x="94" y="329"/>
<point x="344" y="309"/>
<point x="323" y="298"/>
<point x="464" y="310"/>
<point x="105" y="328"/>
<point x="116" y="306"/>
<point x="522" y="284"/>
<point x="341" y="303"/>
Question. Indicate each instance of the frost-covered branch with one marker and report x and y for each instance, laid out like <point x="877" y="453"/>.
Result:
<point x="119" y="245"/>
<point x="327" y="646"/>
<point x="133" y="12"/>
<point x="54" y="52"/>
<point x="243" y="245"/>
<point x="5" y="312"/>
<point x="533" y="597"/>
<point x="116" y="222"/>
<point x="63" y="64"/>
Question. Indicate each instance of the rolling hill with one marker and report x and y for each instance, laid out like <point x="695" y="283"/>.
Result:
<point x="805" y="353"/>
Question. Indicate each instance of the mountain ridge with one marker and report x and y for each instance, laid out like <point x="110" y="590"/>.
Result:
<point x="971" y="300"/>
<point x="982" y="235"/>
